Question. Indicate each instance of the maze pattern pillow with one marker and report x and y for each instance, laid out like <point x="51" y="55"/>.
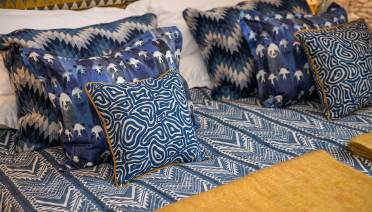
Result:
<point x="39" y="123"/>
<point x="147" y="56"/>
<point x="341" y="58"/>
<point x="283" y="73"/>
<point x="218" y="34"/>
<point x="148" y="124"/>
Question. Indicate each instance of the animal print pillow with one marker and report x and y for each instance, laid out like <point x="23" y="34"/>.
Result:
<point x="84" y="141"/>
<point x="283" y="73"/>
<point x="224" y="50"/>
<point x="39" y="123"/>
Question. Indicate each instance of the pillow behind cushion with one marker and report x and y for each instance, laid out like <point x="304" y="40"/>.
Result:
<point x="283" y="73"/>
<point x="39" y="123"/>
<point x="341" y="58"/>
<point x="227" y="55"/>
<point x="147" y="56"/>
<point x="148" y="124"/>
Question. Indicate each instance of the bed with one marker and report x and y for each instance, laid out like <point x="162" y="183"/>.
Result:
<point x="239" y="136"/>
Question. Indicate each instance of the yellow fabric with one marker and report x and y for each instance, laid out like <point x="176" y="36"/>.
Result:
<point x="362" y="145"/>
<point x="313" y="182"/>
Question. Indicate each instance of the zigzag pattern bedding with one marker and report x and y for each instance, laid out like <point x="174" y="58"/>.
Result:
<point x="241" y="136"/>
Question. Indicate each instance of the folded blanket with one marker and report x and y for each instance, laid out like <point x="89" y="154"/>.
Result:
<point x="361" y="145"/>
<point x="313" y="182"/>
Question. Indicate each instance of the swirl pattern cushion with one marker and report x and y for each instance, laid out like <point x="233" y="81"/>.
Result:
<point x="283" y="73"/>
<point x="148" y="124"/>
<point x="39" y="123"/>
<point x="147" y="56"/>
<point x="341" y="58"/>
<point x="225" y="52"/>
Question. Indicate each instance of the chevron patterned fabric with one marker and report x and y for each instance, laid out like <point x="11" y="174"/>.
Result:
<point x="227" y="55"/>
<point x="39" y="122"/>
<point x="62" y="4"/>
<point x="241" y="136"/>
<point x="7" y="140"/>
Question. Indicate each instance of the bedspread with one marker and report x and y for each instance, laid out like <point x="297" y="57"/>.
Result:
<point x="240" y="136"/>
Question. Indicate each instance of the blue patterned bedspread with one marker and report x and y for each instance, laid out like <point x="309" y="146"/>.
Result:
<point x="241" y="137"/>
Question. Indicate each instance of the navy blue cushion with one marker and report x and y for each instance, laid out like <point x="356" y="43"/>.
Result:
<point x="148" y="124"/>
<point x="341" y="58"/>
<point x="147" y="56"/>
<point x="218" y="34"/>
<point x="283" y="73"/>
<point x="39" y="123"/>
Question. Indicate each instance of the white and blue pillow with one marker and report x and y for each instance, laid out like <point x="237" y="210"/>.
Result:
<point x="84" y="141"/>
<point x="225" y="52"/>
<point x="148" y="124"/>
<point x="39" y="123"/>
<point x="341" y="58"/>
<point x="282" y="72"/>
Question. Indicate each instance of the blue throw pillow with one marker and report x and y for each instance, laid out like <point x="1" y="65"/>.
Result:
<point x="283" y="73"/>
<point x="147" y="56"/>
<point x="341" y="58"/>
<point x="227" y="56"/>
<point x="39" y="122"/>
<point x="148" y="124"/>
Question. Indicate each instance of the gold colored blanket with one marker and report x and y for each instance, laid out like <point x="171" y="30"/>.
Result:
<point x="362" y="145"/>
<point x="312" y="182"/>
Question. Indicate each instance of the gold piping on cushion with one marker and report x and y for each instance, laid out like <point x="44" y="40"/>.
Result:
<point x="327" y="110"/>
<point x="105" y="128"/>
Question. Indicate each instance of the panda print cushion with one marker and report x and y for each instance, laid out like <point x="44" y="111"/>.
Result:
<point x="84" y="140"/>
<point x="282" y="72"/>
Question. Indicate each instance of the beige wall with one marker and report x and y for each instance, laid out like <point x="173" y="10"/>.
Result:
<point x="362" y="8"/>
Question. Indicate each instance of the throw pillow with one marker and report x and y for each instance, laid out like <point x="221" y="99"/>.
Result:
<point x="148" y="124"/>
<point x="147" y="56"/>
<point x="39" y="123"/>
<point x="283" y="73"/>
<point x="341" y="58"/>
<point x="218" y="35"/>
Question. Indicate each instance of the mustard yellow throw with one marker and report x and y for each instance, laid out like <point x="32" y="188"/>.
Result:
<point x="362" y="145"/>
<point x="313" y="182"/>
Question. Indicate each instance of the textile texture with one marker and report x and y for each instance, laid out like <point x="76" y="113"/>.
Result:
<point x="39" y="122"/>
<point x="240" y="136"/>
<point x="148" y="124"/>
<point x="226" y="54"/>
<point x="283" y="73"/>
<point x="310" y="182"/>
<point x="147" y="56"/>
<point x="341" y="58"/>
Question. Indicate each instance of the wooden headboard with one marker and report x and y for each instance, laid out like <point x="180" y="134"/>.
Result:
<point x="62" y="4"/>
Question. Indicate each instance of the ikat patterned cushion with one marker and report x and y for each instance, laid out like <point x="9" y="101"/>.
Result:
<point x="341" y="58"/>
<point x="148" y="124"/>
<point x="225" y="52"/>
<point x="84" y="141"/>
<point x="39" y="123"/>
